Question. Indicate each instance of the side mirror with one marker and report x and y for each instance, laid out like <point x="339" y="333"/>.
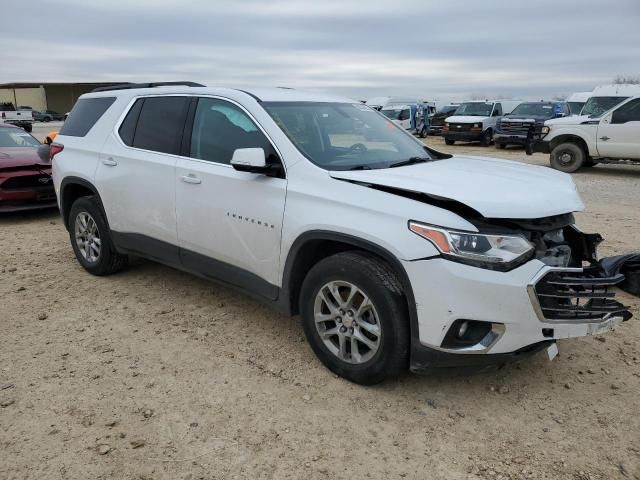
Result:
<point x="250" y="160"/>
<point x="43" y="152"/>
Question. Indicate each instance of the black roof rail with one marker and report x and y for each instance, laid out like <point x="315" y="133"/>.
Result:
<point x="128" y="86"/>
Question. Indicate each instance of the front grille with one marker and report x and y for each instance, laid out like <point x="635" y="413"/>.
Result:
<point x="579" y="296"/>
<point x="27" y="181"/>
<point x="515" y="128"/>
<point x="460" y="127"/>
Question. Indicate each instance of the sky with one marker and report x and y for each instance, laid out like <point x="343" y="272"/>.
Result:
<point x="434" y="50"/>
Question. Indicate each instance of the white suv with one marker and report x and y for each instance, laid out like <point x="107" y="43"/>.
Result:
<point x="394" y="255"/>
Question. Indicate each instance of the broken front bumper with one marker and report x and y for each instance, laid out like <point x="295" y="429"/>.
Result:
<point x="537" y="146"/>
<point x="527" y="309"/>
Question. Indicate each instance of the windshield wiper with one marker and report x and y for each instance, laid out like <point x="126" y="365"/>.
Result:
<point x="410" y="161"/>
<point x="360" y="167"/>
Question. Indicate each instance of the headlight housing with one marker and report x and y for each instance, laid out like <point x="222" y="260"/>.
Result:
<point x="477" y="125"/>
<point x="491" y="251"/>
<point x="545" y="130"/>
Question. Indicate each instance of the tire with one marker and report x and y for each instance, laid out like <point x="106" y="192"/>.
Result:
<point x="387" y="315"/>
<point x="423" y="133"/>
<point x="567" y="157"/>
<point x="27" y="127"/>
<point x="102" y="259"/>
<point x="46" y="119"/>
<point x="501" y="146"/>
<point x="449" y="141"/>
<point x="487" y="138"/>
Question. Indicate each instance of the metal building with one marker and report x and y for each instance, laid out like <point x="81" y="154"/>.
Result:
<point x="56" y="96"/>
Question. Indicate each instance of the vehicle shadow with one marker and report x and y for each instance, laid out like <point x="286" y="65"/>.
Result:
<point x="30" y="215"/>
<point x="621" y="171"/>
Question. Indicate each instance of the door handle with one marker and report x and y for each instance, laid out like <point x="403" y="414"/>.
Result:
<point x="191" y="178"/>
<point x="109" y="162"/>
<point x="605" y="138"/>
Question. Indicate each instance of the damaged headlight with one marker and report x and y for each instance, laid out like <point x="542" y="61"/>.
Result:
<point x="492" y="251"/>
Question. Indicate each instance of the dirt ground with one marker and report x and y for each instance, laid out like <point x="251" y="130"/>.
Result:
<point x="155" y="374"/>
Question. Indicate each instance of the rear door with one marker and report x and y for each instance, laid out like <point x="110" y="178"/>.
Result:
<point x="619" y="132"/>
<point x="136" y="172"/>
<point x="229" y="222"/>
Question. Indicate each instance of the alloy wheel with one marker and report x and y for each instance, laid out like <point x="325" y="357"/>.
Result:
<point x="87" y="237"/>
<point x="347" y="322"/>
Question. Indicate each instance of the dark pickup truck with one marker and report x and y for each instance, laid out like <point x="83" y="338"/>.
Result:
<point x="526" y="121"/>
<point x="437" y="121"/>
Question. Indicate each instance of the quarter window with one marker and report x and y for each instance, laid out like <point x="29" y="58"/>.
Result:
<point x="84" y="115"/>
<point x="220" y="127"/>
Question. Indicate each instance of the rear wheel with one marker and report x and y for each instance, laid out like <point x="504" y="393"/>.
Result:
<point x="355" y="317"/>
<point x="567" y="157"/>
<point x="501" y="146"/>
<point x="91" y="238"/>
<point x="449" y="141"/>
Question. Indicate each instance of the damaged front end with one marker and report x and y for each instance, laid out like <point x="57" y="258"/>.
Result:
<point x="576" y="288"/>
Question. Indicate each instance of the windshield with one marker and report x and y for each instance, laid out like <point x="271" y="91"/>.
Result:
<point x="475" y="109"/>
<point x="14" y="137"/>
<point x="448" y="109"/>
<point x="392" y="114"/>
<point x="575" y="107"/>
<point x="533" y="109"/>
<point x="596" y="106"/>
<point x="344" y="136"/>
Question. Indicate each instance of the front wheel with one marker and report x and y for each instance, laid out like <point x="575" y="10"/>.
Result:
<point x="449" y="141"/>
<point x="355" y="317"/>
<point x="423" y="132"/>
<point x="567" y="157"/>
<point x="501" y="146"/>
<point x="487" y="138"/>
<point x="91" y="238"/>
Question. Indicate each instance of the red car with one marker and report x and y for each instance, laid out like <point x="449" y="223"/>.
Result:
<point x="25" y="180"/>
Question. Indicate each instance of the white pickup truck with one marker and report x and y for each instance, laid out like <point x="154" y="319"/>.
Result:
<point x="19" y="118"/>
<point x="607" y="131"/>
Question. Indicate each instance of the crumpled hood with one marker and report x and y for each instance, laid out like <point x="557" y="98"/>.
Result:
<point x="465" y="119"/>
<point x="19" y="157"/>
<point x="495" y="188"/>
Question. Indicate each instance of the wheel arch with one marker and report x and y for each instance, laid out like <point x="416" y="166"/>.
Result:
<point x="72" y="188"/>
<point x="570" y="138"/>
<point x="313" y="246"/>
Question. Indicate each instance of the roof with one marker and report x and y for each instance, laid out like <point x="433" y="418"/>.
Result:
<point x="259" y="94"/>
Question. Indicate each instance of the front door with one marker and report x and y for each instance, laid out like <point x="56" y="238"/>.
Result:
<point x="619" y="132"/>
<point x="229" y="222"/>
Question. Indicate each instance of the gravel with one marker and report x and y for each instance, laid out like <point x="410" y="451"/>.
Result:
<point x="162" y="351"/>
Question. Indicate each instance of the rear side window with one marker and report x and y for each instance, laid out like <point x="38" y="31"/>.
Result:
<point x="159" y="125"/>
<point x="84" y="115"/>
